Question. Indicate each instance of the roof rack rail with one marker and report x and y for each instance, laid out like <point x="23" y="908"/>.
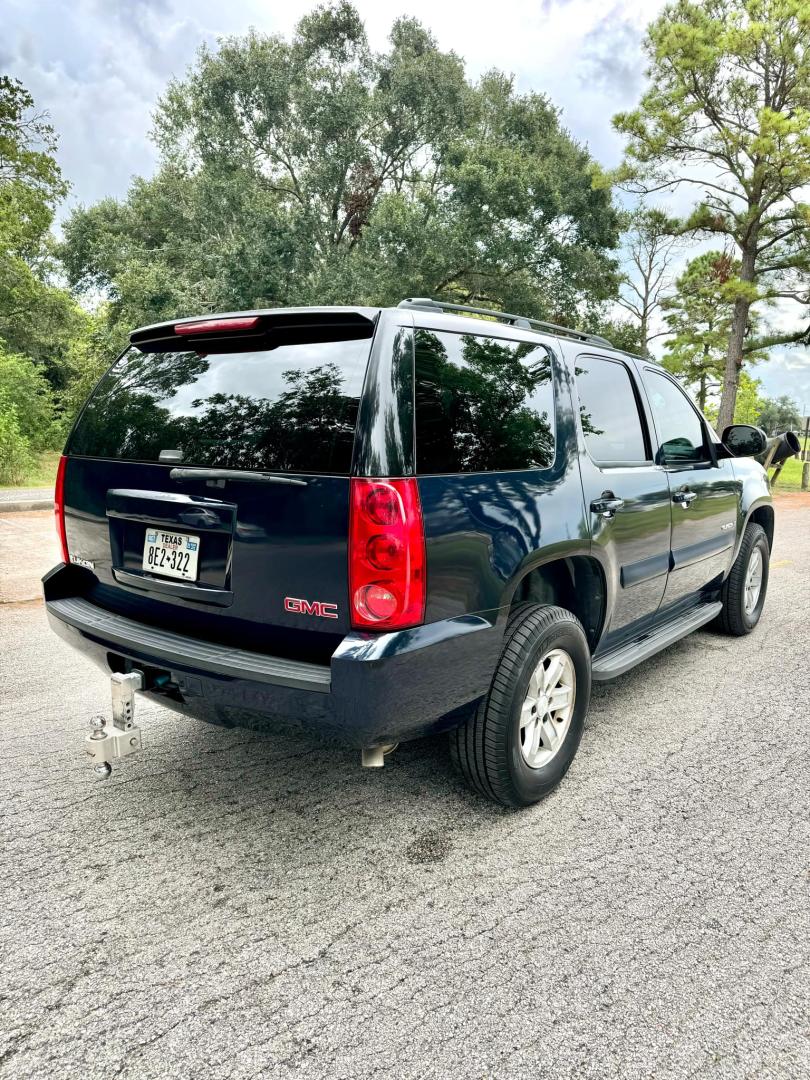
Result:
<point x="522" y="321"/>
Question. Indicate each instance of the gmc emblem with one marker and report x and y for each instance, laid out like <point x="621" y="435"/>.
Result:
<point x="315" y="607"/>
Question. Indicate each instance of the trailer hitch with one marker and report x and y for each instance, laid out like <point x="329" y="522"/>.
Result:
<point x="107" y="744"/>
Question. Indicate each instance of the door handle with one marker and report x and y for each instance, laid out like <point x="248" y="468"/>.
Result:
<point x="607" y="504"/>
<point x="684" y="498"/>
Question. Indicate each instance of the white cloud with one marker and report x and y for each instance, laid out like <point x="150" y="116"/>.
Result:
<point x="787" y="371"/>
<point x="98" y="67"/>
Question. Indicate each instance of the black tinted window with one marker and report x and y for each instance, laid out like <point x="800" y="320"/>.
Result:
<point x="609" y="412"/>
<point x="482" y="404"/>
<point x="289" y="409"/>
<point x="680" y="431"/>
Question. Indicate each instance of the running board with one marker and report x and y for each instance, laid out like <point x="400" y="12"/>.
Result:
<point x="617" y="661"/>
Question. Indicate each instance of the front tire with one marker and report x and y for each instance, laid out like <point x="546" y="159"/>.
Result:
<point x="743" y="592"/>
<point x="521" y="740"/>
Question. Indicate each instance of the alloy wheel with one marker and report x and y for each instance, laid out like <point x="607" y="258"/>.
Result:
<point x="545" y="715"/>
<point x="753" y="582"/>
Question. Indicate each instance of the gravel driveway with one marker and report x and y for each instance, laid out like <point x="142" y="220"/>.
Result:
<point x="230" y="905"/>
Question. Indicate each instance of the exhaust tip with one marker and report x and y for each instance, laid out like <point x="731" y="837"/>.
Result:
<point x="373" y="757"/>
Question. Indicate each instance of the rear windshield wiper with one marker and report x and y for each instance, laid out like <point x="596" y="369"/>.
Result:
<point x="235" y="474"/>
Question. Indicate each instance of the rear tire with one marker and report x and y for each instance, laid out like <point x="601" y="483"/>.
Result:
<point x="744" y="590"/>
<point x="520" y="742"/>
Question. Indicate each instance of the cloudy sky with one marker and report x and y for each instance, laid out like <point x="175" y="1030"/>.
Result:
<point x="98" y="67"/>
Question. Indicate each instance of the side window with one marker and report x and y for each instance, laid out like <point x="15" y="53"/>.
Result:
<point x="482" y="404"/>
<point x="608" y="409"/>
<point x="680" y="430"/>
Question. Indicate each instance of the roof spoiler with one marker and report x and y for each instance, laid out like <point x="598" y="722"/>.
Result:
<point x="242" y="331"/>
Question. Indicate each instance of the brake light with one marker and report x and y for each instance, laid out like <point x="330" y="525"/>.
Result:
<point x="59" y="507"/>
<point x="386" y="555"/>
<point x="217" y="326"/>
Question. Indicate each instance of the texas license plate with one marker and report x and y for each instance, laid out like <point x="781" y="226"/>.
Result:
<point x="171" y="554"/>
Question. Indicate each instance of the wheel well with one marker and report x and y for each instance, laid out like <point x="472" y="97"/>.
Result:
<point x="576" y="583"/>
<point x="763" y="515"/>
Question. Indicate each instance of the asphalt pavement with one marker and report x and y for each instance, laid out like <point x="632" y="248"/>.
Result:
<point x="25" y="494"/>
<point x="24" y="499"/>
<point x="233" y="905"/>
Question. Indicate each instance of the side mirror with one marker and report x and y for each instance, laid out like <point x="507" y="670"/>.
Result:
<point x="744" y="440"/>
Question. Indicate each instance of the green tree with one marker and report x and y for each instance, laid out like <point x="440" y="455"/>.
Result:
<point x="649" y="244"/>
<point x="27" y="416"/>
<point x="779" y="414"/>
<point x="621" y="333"/>
<point x="15" y="451"/>
<point x="750" y="401"/>
<point x="728" y="110"/>
<point x="37" y="318"/>
<point x="30" y="180"/>
<point x="316" y="170"/>
<point x="699" y="314"/>
<point x="90" y="351"/>
<point x="25" y="392"/>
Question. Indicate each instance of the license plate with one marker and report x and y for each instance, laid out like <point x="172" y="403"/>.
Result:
<point x="171" y="554"/>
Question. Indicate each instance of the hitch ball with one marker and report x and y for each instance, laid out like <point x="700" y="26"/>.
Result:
<point x="106" y="744"/>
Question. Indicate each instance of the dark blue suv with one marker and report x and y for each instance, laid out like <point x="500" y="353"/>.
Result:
<point x="380" y="523"/>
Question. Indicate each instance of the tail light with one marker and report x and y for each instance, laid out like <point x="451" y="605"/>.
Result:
<point x="59" y="507"/>
<point x="386" y="555"/>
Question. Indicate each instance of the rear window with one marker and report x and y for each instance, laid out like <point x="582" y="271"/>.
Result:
<point x="483" y="404"/>
<point x="288" y="409"/>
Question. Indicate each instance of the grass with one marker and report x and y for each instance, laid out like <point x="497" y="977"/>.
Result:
<point x="790" y="478"/>
<point x="41" y="474"/>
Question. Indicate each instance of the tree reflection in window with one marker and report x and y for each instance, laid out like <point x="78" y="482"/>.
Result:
<point x="282" y="418"/>
<point x="482" y="404"/>
<point x="609" y="412"/>
<point x="588" y="426"/>
<point x="312" y="421"/>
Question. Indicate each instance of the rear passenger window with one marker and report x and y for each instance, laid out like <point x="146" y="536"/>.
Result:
<point x="680" y="431"/>
<point x="483" y="404"/>
<point x="608" y="409"/>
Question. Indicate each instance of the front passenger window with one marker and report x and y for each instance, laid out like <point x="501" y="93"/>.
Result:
<point x="680" y="430"/>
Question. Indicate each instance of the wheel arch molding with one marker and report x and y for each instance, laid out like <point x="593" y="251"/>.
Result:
<point x="574" y="579"/>
<point x="762" y="513"/>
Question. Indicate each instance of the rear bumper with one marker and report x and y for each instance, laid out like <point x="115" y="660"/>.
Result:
<point x="378" y="688"/>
